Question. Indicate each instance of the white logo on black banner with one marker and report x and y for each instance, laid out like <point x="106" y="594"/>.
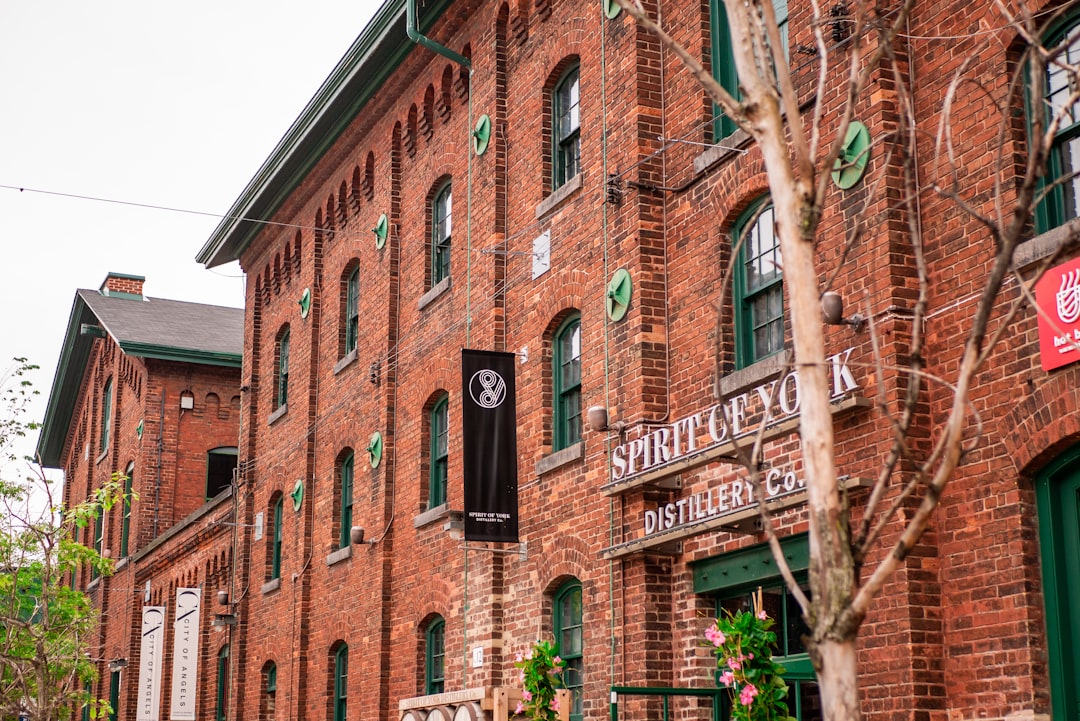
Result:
<point x="487" y="388"/>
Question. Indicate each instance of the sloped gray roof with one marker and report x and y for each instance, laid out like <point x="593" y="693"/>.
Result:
<point x="157" y="323"/>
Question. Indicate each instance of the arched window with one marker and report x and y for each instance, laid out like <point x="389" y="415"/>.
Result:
<point x="125" y="523"/>
<point x="106" y="415"/>
<point x="352" y="310"/>
<point x="340" y="682"/>
<point x="1062" y="202"/>
<point x="435" y="656"/>
<point x="759" y="287"/>
<point x="345" y="494"/>
<point x="441" y="230"/>
<point x="566" y="124"/>
<point x="281" y="397"/>
<point x="439" y="428"/>
<point x="277" y="508"/>
<point x="567" y="375"/>
<point x="568" y="628"/>
<point x="221" y="707"/>
<point x="269" y="692"/>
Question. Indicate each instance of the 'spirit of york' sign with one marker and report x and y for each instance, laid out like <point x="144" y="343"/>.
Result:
<point x="720" y="500"/>
<point x="744" y="412"/>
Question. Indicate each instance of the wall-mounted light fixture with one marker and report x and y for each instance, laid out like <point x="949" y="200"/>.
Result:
<point x="356" y="535"/>
<point x="223" y="598"/>
<point x="598" y="420"/>
<point x="221" y="620"/>
<point x="832" y="308"/>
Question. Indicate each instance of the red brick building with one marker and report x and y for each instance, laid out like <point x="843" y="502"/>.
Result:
<point x="148" y="388"/>
<point x="543" y="179"/>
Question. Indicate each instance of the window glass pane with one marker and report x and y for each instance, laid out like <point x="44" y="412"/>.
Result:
<point x="352" y="313"/>
<point x="1069" y="156"/>
<point x="568" y="635"/>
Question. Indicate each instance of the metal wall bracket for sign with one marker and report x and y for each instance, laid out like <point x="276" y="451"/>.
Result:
<point x="619" y="292"/>
<point x="481" y="135"/>
<point x="305" y="303"/>
<point x="374" y="449"/>
<point x="297" y="495"/>
<point x="381" y="230"/>
<point x="854" y="155"/>
<point x="612" y="9"/>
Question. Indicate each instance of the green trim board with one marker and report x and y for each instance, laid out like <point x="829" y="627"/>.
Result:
<point x="749" y="565"/>
<point x="374" y="56"/>
<point x="1057" y="496"/>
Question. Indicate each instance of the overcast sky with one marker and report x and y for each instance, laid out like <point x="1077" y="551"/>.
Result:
<point x="167" y="104"/>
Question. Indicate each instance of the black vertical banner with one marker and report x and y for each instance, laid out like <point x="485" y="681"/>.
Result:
<point x="489" y="446"/>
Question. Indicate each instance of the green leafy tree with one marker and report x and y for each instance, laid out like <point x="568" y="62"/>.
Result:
<point x="46" y="625"/>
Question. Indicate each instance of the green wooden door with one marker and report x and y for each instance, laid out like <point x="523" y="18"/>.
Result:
<point x="1058" y="493"/>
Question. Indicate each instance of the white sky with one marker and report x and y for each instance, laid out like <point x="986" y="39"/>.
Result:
<point x="170" y="104"/>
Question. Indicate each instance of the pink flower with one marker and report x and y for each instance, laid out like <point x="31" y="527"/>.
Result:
<point x="520" y="709"/>
<point x="555" y="704"/>
<point x="727" y="678"/>
<point x="556" y="660"/>
<point x="733" y="664"/>
<point x="762" y="615"/>
<point x="746" y="696"/>
<point x="715" y="636"/>
<point x="528" y="655"/>
<point x="526" y="695"/>
<point x="521" y="676"/>
<point x="517" y="659"/>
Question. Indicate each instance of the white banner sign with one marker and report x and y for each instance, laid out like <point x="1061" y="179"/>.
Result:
<point x="185" y="654"/>
<point x="150" y="653"/>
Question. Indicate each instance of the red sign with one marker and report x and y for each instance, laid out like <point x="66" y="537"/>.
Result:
<point x="1058" y="296"/>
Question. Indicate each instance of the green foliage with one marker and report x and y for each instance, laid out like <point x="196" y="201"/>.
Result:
<point x="742" y="643"/>
<point x="46" y="625"/>
<point x="541" y="676"/>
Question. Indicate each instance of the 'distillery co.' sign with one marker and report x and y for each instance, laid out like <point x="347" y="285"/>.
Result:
<point x="701" y="431"/>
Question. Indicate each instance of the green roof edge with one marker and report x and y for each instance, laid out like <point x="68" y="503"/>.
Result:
<point x="184" y="355"/>
<point x="335" y="104"/>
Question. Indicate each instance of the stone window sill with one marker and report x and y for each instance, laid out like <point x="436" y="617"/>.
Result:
<point x="103" y="456"/>
<point x="345" y="362"/>
<point x="724" y="150"/>
<point x="272" y="585"/>
<point x="560" y="458"/>
<point x="277" y="414"/>
<point x="558" y="196"/>
<point x="436" y="290"/>
<point x="1045" y="244"/>
<point x="339" y="555"/>
<point x="121" y="563"/>
<point x="754" y="374"/>
<point x="432" y="515"/>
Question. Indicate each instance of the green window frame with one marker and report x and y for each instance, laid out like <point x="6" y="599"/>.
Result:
<point x="345" y="490"/>
<point x="731" y="577"/>
<point x="758" y="286"/>
<point x="567" y="375"/>
<point x="99" y="539"/>
<point x="275" y="549"/>
<point x="441" y="232"/>
<point x="88" y="689"/>
<point x="1062" y="200"/>
<point x="270" y="694"/>
<point x="125" y="522"/>
<point x="440" y="434"/>
<point x="435" y="656"/>
<point x="566" y="126"/>
<point x="282" y="395"/>
<point x="723" y="58"/>
<point x="352" y="310"/>
<point x="222" y="699"/>
<point x="114" y="695"/>
<point x="106" y="415"/>
<point x="569" y="638"/>
<point x="341" y="677"/>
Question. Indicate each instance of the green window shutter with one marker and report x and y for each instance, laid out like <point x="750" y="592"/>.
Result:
<point x="441" y="231"/>
<point x="341" y="675"/>
<point x="435" y="656"/>
<point x="345" y="536"/>
<point x="283" y="369"/>
<point x="569" y="637"/>
<point x="440" y="433"/>
<point x="352" y="310"/>
<point x="275" y="551"/>
<point x="567" y="374"/>
<point x="758" y="286"/>
<point x="566" y="125"/>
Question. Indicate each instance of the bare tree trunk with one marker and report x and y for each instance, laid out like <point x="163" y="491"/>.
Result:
<point x="838" y="680"/>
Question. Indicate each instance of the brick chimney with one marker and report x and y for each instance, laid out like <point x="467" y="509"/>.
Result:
<point x="122" y="285"/>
